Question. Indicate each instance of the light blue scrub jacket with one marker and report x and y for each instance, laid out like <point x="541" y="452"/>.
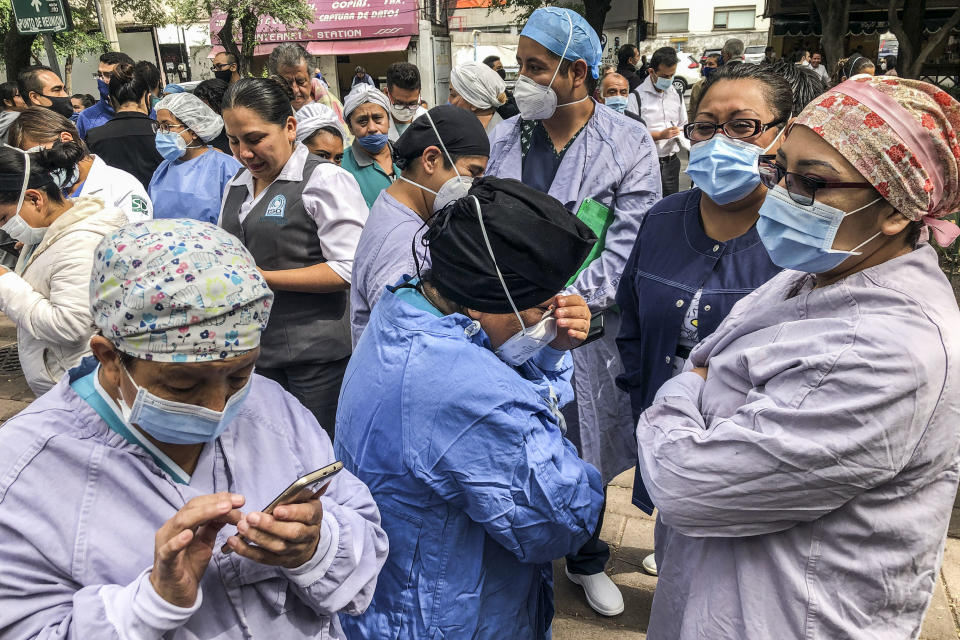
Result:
<point x="477" y="487"/>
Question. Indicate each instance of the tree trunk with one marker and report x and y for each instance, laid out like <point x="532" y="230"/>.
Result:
<point x="909" y="32"/>
<point x="67" y="74"/>
<point x="225" y="36"/>
<point x="248" y="44"/>
<point x="834" y="20"/>
<point x="596" y="13"/>
<point x="16" y="50"/>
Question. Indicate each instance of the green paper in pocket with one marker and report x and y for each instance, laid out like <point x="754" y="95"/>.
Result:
<point x="598" y="217"/>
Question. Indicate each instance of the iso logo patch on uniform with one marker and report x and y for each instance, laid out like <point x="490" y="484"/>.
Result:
<point x="276" y="208"/>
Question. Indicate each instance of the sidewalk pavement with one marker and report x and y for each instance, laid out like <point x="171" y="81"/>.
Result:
<point x="629" y="532"/>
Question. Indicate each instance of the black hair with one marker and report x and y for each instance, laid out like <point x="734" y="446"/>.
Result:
<point x="29" y="80"/>
<point x="805" y="83"/>
<point x="403" y="75"/>
<point x="334" y="131"/>
<point x="768" y="49"/>
<point x="663" y="57"/>
<point x="211" y="92"/>
<point x="127" y="86"/>
<point x="149" y="72"/>
<point x="625" y="52"/>
<point x="63" y="155"/>
<point x="268" y="97"/>
<point x="405" y="164"/>
<point x="855" y="64"/>
<point x="115" y="57"/>
<point x="85" y="99"/>
<point x="891" y="62"/>
<point x="776" y="88"/>
<point x="914" y="229"/>
<point x="489" y="60"/>
<point x="8" y="91"/>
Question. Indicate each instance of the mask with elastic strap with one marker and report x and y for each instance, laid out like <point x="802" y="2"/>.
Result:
<point x="539" y="102"/>
<point x="16" y="227"/>
<point x="527" y="342"/>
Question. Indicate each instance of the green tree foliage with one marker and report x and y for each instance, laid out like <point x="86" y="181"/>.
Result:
<point x="595" y="11"/>
<point x="238" y="35"/>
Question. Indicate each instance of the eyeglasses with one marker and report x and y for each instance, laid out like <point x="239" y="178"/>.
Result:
<point x="221" y="66"/>
<point x="168" y="128"/>
<point x="102" y="75"/>
<point x="735" y="129"/>
<point x="802" y="189"/>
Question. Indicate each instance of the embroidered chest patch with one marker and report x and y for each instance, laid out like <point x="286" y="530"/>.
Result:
<point x="276" y="207"/>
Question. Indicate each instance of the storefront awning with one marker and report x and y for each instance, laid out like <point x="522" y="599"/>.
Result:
<point x="347" y="47"/>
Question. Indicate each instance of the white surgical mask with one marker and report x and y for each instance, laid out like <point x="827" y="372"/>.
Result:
<point x="403" y="113"/>
<point x="539" y="102"/>
<point x="453" y="189"/>
<point x="16" y="227"/>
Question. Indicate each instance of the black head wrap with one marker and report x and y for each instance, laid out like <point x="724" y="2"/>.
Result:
<point x="460" y="130"/>
<point x="538" y="245"/>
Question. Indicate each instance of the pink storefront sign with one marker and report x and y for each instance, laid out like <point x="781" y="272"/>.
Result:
<point x="337" y="20"/>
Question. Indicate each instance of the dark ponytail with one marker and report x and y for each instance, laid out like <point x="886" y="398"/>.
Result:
<point x="62" y="157"/>
<point x="126" y="85"/>
<point x="269" y="98"/>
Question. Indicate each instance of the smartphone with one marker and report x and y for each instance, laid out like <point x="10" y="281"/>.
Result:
<point x="596" y="329"/>
<point x="303" y="485"/>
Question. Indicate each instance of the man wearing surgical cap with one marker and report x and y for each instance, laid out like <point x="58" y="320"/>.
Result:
<point x="477" y="88"/>
<point x="436" y="171"/>
<point x="157" y="452"/>
<point x="805" y="466"/>
<point x="370" y="158"/>
<point x="319" y="128"/>
<point x="191" y="180"/>
<point x="603" y="167"/>
<point x="450" y="412"/>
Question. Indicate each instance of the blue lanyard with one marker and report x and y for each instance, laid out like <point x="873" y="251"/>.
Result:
<point x="85" y="388"/>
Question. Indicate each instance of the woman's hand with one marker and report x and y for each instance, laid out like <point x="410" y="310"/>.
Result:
<point x="288" y="538"/>
<point x="573" y="322"/>
<point x="184" y="545"/>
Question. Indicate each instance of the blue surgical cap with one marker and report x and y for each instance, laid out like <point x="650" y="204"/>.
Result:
<point x="173" y="88"/>
<point x="550" y="28"/>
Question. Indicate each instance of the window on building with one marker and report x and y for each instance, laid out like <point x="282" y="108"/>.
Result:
<point x="672" y="22"/>
<point x="734" y="18"/>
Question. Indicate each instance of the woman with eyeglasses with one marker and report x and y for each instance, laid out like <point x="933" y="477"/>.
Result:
<point x="805" y="467"/>
<point x="698" y="251"/>
<point x="127" y="140"/>
<point x="191" y="180"/>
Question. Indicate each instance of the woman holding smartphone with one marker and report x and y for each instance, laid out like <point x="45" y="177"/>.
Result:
<point x="163" y="446"/>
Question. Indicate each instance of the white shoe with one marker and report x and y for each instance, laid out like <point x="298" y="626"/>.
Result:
<point x="603" y="596"/>
<point x="650" y="564"/>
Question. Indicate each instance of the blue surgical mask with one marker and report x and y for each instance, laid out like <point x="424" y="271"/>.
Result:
<point x="617" y="103"/>
<point x="664" y="83"/>
<point x="178" y="422"/>
<point x="170" y="145"/>
<point x="104" y="89"/>
<point x="373" y="142"/>
<point x="801" y="237"/>
<point x="725" y="169"/>
<point x="707" y="71"/>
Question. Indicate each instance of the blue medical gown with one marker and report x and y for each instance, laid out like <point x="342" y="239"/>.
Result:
<point x="192" y="189"/>
<point x="477" y="488"/>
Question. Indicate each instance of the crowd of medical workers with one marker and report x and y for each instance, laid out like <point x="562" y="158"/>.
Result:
<point x="485" y="311"/>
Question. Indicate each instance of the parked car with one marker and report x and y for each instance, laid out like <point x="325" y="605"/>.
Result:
<point x="688" y="73"/>
<point x="754" y="53"/>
